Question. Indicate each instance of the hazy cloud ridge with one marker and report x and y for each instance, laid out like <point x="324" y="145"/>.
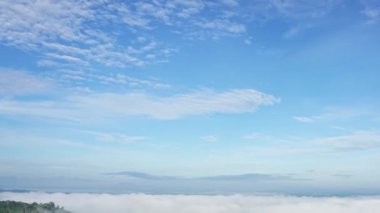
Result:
<point x="141" y="175"/>
<point x="239" y="177"/>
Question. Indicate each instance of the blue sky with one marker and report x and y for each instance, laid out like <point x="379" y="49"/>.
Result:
<point x="190" y="96"/>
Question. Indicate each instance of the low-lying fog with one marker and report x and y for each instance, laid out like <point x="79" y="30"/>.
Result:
<point x="144" y="203"/>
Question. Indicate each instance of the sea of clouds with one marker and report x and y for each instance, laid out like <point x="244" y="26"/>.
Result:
<point x="143" y="203"/>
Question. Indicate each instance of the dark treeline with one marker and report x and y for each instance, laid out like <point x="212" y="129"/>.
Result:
<point x="20" y="207"/>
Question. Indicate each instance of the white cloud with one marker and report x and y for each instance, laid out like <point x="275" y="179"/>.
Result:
<point x="67" y="58"/>
<point x="77" y="32"/>
<point x="26" y="23"/>
<point x="255" y="136"/>
<point x="373" y="14"/>
<point x="352" y="142"/>
<point x="336" y="113"/>
<point x="293" y="32"/>
<point x="118" y="138"/>
<point x="65" y="32"/>
<point x="113" y="79"/>
<point x="209" y="138"/>
<point x="19" y="82"/>
<point x="303" y="119"/>
<point x="304" y="8"/>
<point x="105" y="105"/>
<point x="14" y="82"/>
<point x="248" y="40"/>
<point x="137" y="203"/>
<point x="371" y="11"/>
<point x="222" y="25"/>
<point x="232" y="3"/>
<point x="187" y="8"/>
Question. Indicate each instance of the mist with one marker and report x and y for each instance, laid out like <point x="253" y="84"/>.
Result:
<point x="145" y="203"/>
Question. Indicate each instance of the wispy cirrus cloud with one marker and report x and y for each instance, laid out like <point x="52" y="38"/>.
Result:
<point x="372" y="14"/>
<point x="371" y="10"/>
<point x="304" y="119"/>
<point x="110" y="105"/>
<point x="78" y="32"/>
<point x="86" y="77"/>
<point x="301" y="15"/>
<point x="361" y="140"/>
<point x="354" y="141"/>
<point x="232" y="3"/>
<point x="16" y="82"/>
<point x="304" y="8"/>
<point x="118" y="34"/>
<point x="336" y="113"/>
<point x="209" y="138"/>
<point x="66" y="32"/>
<point x="20" y="82"/>
<point x="116" y="137"/>
<point x="220" y="27"/>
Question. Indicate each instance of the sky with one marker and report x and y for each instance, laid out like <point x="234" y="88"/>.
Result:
<point x="190" y="96"/>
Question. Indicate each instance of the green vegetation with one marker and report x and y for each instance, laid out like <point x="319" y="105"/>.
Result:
<point x="20" y="207"/>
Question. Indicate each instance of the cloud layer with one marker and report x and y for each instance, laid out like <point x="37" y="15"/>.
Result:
<point x="138" y="203"/>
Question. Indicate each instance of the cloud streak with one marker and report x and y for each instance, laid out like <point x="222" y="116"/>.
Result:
<point x="15" y="82"/>
<point x="352" y="142"/>
<point x="106" y="105"/>
<point x="209" y="138"/>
